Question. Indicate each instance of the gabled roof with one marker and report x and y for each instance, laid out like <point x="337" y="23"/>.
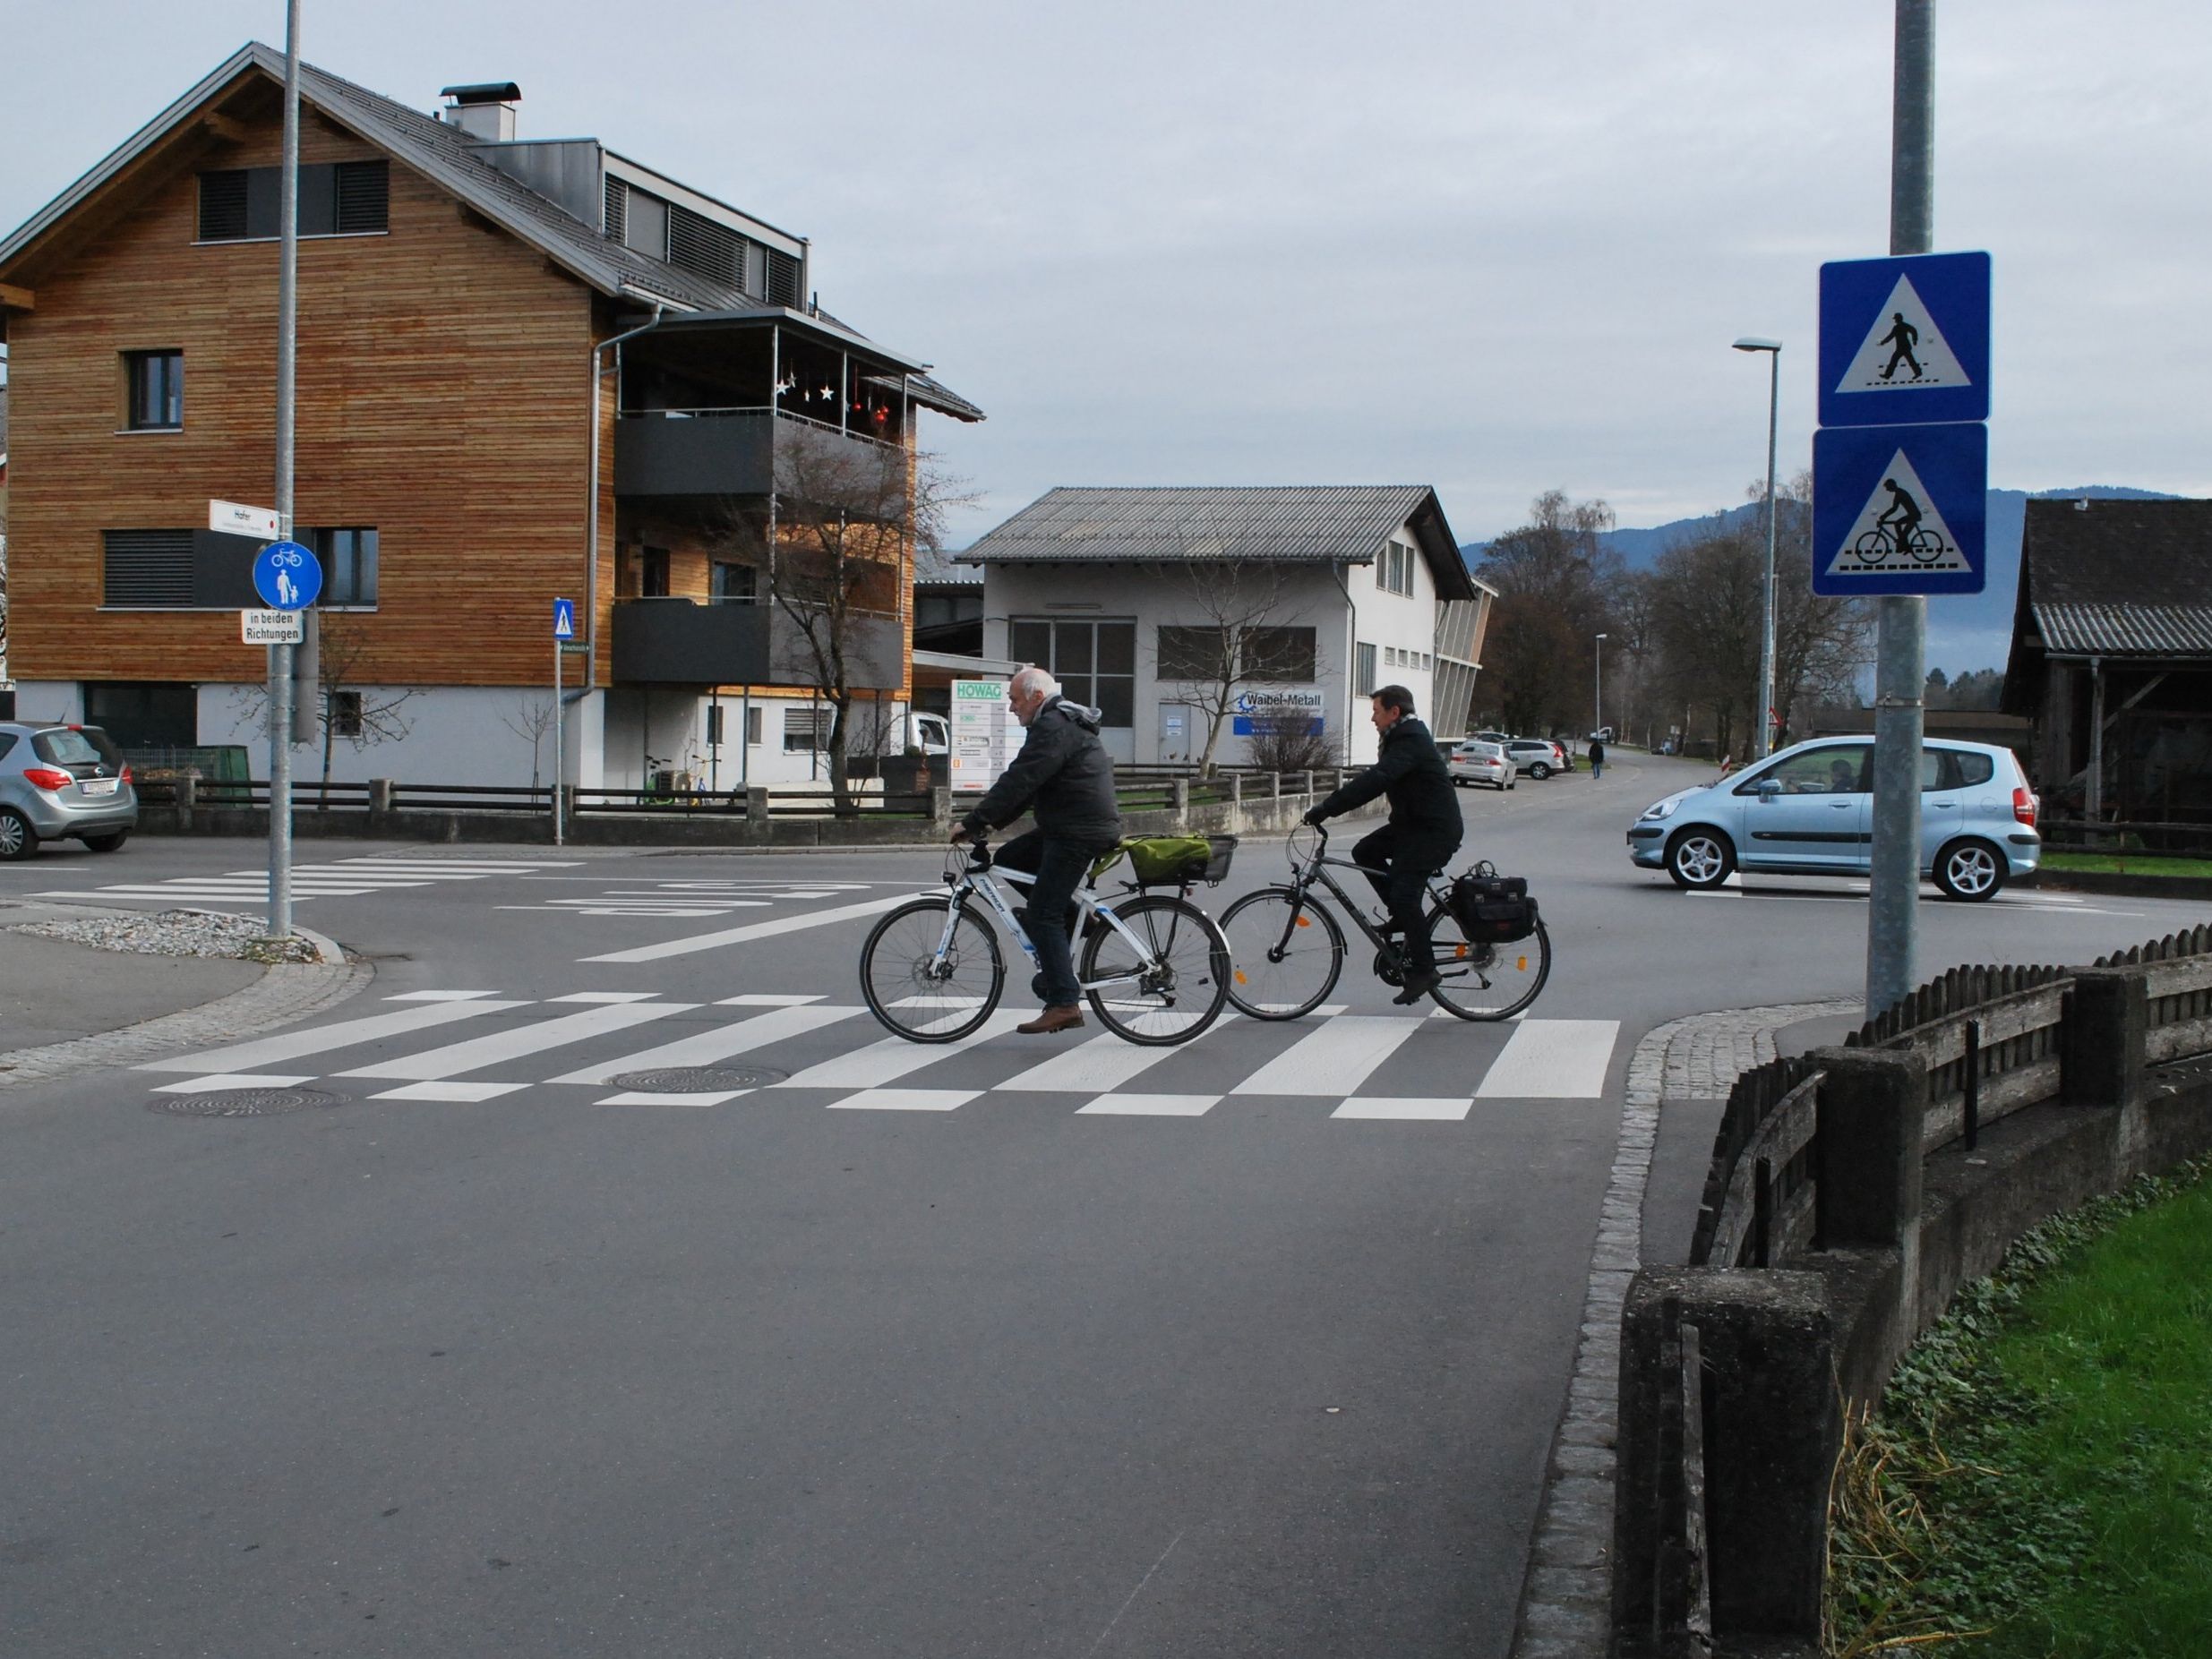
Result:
<point x="447" y="157"/>
<point x="1294" y="524"/>
<point x="2118" y="577"/>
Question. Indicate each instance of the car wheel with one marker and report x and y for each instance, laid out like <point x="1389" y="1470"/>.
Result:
<point x="18" y="840"/>
<point x="1700" y="859"/>
<point x="1539" y="771"/>
<point x="107" y="842"/>
<point x="1459" y="782"/>
<point x="1971" y="870"/>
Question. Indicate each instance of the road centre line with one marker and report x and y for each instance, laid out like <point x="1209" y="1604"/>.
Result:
<point x="756" y="930"/>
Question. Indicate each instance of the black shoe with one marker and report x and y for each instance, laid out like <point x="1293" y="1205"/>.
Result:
<point x="1417" y="986"/>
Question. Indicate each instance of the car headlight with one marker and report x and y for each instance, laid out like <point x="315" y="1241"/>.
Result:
<point x="1660" y="810"/>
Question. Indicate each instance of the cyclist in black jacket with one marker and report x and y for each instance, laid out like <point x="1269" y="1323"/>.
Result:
<point x="1424" y="831"/>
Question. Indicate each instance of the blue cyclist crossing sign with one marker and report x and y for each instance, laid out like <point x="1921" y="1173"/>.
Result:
<point x="1905" y="340"/>
<point x="1899" y="510"/>
<point x="564" y="619"/>
<point x="287" y="576"/>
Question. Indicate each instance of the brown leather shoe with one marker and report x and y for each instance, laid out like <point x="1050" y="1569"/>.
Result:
<point x="1063" y="1019"/>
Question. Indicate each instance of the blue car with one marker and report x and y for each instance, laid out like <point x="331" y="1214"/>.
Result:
<point x="1809" y="810"/>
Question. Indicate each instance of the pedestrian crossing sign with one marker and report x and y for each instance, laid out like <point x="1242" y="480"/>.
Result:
<point x="1905" y="340"/>
<point x="564" y="619"/>
<point x="1899" y="510"/>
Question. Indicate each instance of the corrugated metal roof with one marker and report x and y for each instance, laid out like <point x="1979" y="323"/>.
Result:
<point x="446" y="155"/>
<point x="2125" y="630"/>
<point x="934" y="567"/>
<point x="1291" y="523"/>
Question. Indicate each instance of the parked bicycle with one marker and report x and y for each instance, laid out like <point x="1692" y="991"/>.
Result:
<point x="1153" y="966"/>
<point x="1288" y="948"/>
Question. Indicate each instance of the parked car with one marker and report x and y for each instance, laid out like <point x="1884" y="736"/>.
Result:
<point x="1476" y="761"/>
<point x="1810" y="810"/>
<point x="1540" y="758"/>
<point x="62" y="782"/>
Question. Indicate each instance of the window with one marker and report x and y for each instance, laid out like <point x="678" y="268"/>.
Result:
<point x="1284" y="655"/>
<point x="348" y="558"/>
<point x="805" y="729"/>
<point x="344" y="713"/>
<point x="1953" y="769"/>
<point x="697" y="244"/>
<point x="653" y="572"/>
<point x="1363" y="669"/>
<point x="147" y="570"/>
<point x="645" y="225"/>
<point x="752" y="727"/>
<point x="1394" y="571"/>
<point x="713" y="725"/>
<point x="1095" y="662"/>
<point x="143" y="714"/>
<point x="335" y="199"/>
<point x="728" y="581"/>
<point x="641" y="573"/>
<point x="782" y="279"/>
<point x="154" y="390"/>
<point x="1190" y="654"/>
<point x="1838" y="771"/>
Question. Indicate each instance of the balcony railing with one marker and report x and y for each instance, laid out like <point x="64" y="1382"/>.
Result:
<point x="744" y="642"/>
<point x="727" y="451"/>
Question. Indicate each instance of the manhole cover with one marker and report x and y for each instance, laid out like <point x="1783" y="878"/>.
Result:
<point x="243" y="1102"/>
<point x="699" y="1079"/>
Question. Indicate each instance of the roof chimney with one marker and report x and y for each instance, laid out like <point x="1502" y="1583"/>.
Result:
<point x="486" y="112"/>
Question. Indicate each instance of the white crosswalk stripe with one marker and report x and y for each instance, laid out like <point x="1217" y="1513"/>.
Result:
<point x="341" y="879"/>
<point x="1354" y="1067"/>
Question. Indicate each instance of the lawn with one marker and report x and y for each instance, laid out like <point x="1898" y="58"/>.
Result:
<point x="2038" y="1480"/>
<point x="2127" y="864"/>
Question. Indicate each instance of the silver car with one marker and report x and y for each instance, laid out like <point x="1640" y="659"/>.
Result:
<point x="57" y="782"/>
<point x="1477" y="762"/>
<point x="1809" y="809"/>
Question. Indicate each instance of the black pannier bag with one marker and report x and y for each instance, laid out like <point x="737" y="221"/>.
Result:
<point x="1492" y="909"/>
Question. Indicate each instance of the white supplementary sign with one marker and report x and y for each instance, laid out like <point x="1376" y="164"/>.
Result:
<point x="985" y="735"/>
<point x="1904" y="350"/>
<point x="236" y="519"/>
<point x="272" y="627"/>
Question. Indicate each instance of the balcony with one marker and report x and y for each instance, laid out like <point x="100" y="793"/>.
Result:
<point x="682" y="642"/>
<point x="705" y="455"/>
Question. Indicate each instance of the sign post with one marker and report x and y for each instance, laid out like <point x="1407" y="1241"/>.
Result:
<point x="564" y="632"/>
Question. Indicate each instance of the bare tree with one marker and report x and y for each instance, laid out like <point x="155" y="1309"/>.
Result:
<point x="531" y="719"/>
<point x="352" y="705"/>
<point x="1556" y="581"/>
<point x="1289" y="743"/>
<point x="1239" y="635"/>
<point x="831" y="552"/>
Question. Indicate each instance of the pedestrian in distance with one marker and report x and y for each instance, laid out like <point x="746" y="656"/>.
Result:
<point x="1424" y="831"/>
<point x="1064" y="776"/>
<point x="1597" y="758"/>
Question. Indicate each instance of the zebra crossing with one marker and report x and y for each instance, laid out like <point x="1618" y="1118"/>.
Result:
<point x="341" y="879"/>
<point x="465" y="1047"/>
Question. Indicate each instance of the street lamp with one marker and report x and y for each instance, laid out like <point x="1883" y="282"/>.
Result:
<point x="1597" y="687"/>
<point x="1763" y="719"/>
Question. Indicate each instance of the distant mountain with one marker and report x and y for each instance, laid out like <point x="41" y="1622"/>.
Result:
<point x="1965" y="631"/>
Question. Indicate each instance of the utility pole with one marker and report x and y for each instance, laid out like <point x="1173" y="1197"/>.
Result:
<point x="1900" y="674"/>
<point x="287" y="329"/>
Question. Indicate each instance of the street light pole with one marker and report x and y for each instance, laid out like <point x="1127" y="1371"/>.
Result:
<point x="1763" y="717"/>
<point x="1597" y="686"/>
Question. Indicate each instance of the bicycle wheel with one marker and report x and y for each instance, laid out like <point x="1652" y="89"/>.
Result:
<point x="1872" y="547"/>
<point x="1284" y="954"/>
<point x="1170" y="991"/>
<point x="1485" y="981"/>
<point x="920" y="994"/>
<point x="1927" y="547"/>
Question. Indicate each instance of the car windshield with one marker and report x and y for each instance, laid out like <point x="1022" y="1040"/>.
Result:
<point x="71" y="746"/>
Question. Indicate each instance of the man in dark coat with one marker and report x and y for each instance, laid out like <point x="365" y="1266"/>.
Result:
<point x="1064" y="776"/>
<point x="1424" y="831"/>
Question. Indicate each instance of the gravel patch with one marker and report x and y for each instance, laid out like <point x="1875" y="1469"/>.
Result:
<point x="177" y="933"/>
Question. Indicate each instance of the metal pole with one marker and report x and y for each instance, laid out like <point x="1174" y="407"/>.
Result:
<point x="1765" y="743"/>
<point x="560" y="771"/>
<point x="1900" y="674"/>
<point x="287" y="327"/>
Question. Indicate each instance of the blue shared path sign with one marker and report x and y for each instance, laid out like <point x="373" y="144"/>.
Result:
<point x="1899" y="510"/>
<point x="564" y="619"/>
<point x="1905" y="341"/>
<point x="287" y="576"/>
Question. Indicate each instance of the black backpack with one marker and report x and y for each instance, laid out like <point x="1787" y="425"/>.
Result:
<point x="1492" y="909"/>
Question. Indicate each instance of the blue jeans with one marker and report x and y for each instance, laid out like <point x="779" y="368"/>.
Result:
<point x="1060" y="866"/>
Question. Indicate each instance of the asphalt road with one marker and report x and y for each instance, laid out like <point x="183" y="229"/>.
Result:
<point x="895" y="1359"/>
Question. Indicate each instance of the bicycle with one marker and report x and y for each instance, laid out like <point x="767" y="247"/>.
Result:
<point x="1153" y="968"/>
<point x="1878" y="542"/>
<point x="1287" y="948"/>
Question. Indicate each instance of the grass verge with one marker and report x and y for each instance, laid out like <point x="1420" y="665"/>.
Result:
<point x="2038" y="1480"/>
<point x="2126" y="864"/>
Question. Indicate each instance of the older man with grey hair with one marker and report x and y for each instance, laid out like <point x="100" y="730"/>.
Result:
<point x="1063" y="776"/>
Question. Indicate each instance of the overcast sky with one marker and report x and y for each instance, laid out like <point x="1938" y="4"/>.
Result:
<point x="1496" y="248"/>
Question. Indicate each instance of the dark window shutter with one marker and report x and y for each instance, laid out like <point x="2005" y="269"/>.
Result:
<point x="618" y="208"/>
<point x="697" y="244"/>
<point x="148" y="569"/>
<point x="364" y="197"/>
<point x="318" y="199"/>
<point x="782" y="279"/>
<point x="222" y="205"/>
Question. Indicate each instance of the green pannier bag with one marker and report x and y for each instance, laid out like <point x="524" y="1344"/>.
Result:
<point x="1163" y="859"/>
